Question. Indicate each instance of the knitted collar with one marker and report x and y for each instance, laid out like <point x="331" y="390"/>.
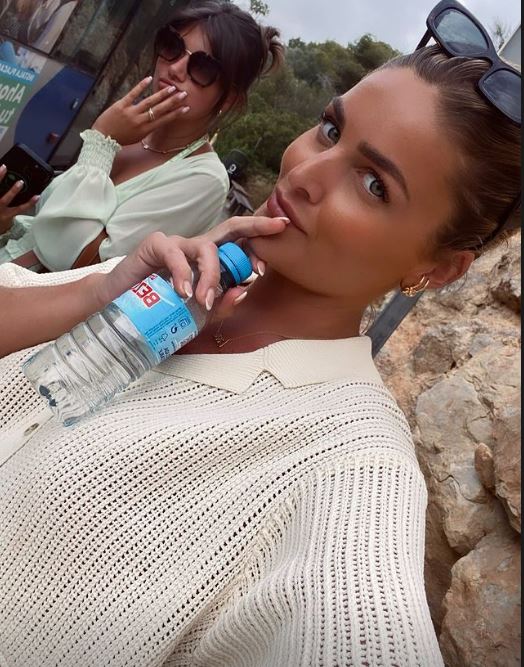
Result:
<point x="295" y="363"/>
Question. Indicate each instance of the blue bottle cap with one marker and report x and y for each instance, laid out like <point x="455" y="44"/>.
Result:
<point x="236" y="261"/>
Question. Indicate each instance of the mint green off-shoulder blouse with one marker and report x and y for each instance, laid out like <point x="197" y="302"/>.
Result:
<point x="182" y="196"/>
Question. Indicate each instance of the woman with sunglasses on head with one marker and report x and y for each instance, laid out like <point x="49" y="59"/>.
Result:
<point x="257" y="500"/>
<point x="147" y="164"/>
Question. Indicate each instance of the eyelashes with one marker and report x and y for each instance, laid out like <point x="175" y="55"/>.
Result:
<point x="325" y="120"/>
<point x="329" y="134"/>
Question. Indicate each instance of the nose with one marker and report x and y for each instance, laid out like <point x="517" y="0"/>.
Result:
<point x="178" y="69"/>
<point x="310" y="177"/>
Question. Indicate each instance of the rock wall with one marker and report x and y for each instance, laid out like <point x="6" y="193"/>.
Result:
<point x="454" y="367"/>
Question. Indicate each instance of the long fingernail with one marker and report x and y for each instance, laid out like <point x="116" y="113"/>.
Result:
<point x="185" y="109"/>
<point x="240" y="298"/>
<point x="148" y="79"/>
<point x="210" y="299"/>
<point x="188" y="289"/>
<point x="286" y="220"/>
<point x="19" y="184"/>
<point x="182" y="96"/>
<point x="3" y="167"/>
<point x="261" y="268"/>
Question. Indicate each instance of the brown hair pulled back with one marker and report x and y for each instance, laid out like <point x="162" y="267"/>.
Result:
<point x="245" y="49"/>
<point x="488" y="178"/>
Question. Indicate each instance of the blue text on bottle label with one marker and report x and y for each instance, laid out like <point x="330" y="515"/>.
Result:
<point x="160" y="316"/>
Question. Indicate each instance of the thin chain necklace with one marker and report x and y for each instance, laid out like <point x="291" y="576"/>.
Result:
<point x="147" y="147"/>
<point x="221" y="341"/>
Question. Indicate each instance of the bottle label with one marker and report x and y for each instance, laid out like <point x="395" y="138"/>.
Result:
<point x="160" y="316"/>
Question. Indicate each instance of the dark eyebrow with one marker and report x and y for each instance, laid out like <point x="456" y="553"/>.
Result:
<point x="368" y="151"/>
<point x="385" y="164"/>
<point x="340" y="114"/>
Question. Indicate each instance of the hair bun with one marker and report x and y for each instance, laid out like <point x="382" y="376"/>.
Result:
<point x="274" y="51"/>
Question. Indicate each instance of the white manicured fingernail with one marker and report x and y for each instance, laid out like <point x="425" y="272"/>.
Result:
<point x="286" y="220"/>
<point x="3" y="167"/>
<point x="240" y="298"/>
<point x="261" y="268"/>
<point x="185" y="109"/>
<point x="182" y="96"/>
<point x="188" y="290"/>
<point x="148" y="79"/>
<point x="19" y="184"/>
<point x="210" y="299"/>
<point x="171" y="89"/>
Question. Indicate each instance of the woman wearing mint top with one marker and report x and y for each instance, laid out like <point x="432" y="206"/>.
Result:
<point x="257" y="501"/>
<point x="148" y="165"/>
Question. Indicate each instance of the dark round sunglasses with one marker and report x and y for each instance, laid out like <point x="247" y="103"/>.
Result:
<point x="460" y="34"/>
<point x="202" y="68"/>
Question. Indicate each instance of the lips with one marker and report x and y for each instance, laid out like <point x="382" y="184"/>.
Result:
<point x="279" y="207"/>
<point x="163" y="83"/>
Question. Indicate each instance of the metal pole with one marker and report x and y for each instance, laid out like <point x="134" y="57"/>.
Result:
<point x="390" y="319"/>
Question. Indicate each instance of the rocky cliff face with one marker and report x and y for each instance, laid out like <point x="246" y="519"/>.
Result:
<point x="454" y="367"/>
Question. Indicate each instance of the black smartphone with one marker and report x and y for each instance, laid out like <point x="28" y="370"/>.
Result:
<point x="25" y="165"/>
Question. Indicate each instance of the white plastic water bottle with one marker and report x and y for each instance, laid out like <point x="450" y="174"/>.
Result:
<point x="84" y="369"/>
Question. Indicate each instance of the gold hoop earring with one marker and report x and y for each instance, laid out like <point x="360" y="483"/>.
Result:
<point x="416" y="289"/>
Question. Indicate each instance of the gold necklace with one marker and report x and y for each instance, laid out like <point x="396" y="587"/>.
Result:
<point x="147" y="147"/>
<point x="221" y="341"/>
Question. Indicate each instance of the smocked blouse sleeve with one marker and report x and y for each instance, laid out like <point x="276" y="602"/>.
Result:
<point x="75" y="207"/>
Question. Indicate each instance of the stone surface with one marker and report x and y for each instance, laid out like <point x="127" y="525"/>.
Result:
<point x="451" y="421"/>
<point x="482" y="620"/>
<point x="434" y="353"/>
<point x="439" y="561"/>
<point x="485" y="466"/>
<point x="506" y="281"/>
<point x="507" y="460"/>
<point x="453" y="366"/>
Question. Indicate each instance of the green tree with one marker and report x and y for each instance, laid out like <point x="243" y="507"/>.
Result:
<point x="259" y="8"/>
<point x="256" y="7"/>
<point x="500" y="33"/>
<point x="340" y="66"/>
<point x="371" y="53"/>
<point x="280" y="108"/>
<point x="288" y="103"/>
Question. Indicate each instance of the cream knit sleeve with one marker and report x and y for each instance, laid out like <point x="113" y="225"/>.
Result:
<point x="337" y="579"/>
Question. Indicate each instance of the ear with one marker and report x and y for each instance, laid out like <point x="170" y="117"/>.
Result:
<point x="451" y="266"/>
<point x="230" y="101"/>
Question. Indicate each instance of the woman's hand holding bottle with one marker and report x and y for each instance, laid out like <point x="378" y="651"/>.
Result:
<point x="175" y="253"/>
<point x="29" y="307"/>
<point x="148" y="323"/>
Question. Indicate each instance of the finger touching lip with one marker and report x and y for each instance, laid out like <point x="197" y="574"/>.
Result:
<point x="164" y="83"/>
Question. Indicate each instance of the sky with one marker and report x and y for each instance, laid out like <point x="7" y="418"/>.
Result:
<point x="401" y="23"/>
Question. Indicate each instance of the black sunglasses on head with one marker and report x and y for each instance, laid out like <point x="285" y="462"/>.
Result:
<point x="459" y="33"/>
<point x="202" y="68"/>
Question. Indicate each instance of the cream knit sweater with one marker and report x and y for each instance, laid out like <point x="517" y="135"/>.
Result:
<point x="255" y="510"/>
